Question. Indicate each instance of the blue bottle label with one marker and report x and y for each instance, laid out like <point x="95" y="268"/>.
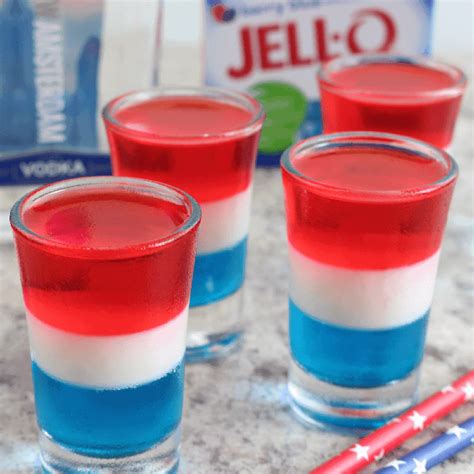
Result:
<point x="60" y="62"/>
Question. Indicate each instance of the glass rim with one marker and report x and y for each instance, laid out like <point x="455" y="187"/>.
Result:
<point x="364" y="139"/>
<point x="134" y="184"/>
<point x="217" y="93"/>
<point x="343" y="62"/>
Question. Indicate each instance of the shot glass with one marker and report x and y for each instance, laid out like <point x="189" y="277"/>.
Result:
<point x="416" y="97"/>
<point x="204" y="141"/>
<point x="106" y="267"/>
<point x="365" y="217"/>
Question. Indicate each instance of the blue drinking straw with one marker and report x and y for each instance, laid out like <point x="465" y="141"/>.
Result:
<point x="434" y="452"/>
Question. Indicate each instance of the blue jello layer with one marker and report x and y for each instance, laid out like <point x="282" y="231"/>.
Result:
<point x="218" y="274"/>
<point x="355" y="357"/>
<point x="108" y="423"/>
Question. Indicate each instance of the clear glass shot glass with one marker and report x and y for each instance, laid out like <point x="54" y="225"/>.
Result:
<point x="366" y="214"/>
<point x="202" y="140"/>
<point x="412" y="96"/>
<point x="106" y="267"/>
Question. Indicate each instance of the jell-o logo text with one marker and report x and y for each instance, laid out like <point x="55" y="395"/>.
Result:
<point x="276" y="46"/>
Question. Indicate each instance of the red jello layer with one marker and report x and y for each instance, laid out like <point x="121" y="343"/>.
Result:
<point x="399" y="98"/>
<point x="401" y="79"/>
<point x="105" y="219"/>
<point x="194" y="143"/>
<point x="69" y="284"/>
<point x="366" y="210"/>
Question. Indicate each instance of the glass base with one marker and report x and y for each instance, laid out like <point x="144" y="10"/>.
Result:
<point x="159" y="459"/>
<point x="214" y="330"/>
<point x="320" y="404"/>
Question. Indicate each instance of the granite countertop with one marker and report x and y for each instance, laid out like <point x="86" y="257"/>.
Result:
<point x="236" y="417"/>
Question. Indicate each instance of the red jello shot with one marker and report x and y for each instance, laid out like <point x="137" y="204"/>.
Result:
<point x="366" y="213"/>
<point x="204" y="141"/>
<point x="415" y="97"/>
<point x="106" y="266"/>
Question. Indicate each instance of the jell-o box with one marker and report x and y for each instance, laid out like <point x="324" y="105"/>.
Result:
<point x="273" y="50"/>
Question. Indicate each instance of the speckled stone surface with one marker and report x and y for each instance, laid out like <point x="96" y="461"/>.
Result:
<point x="236" y="418"/>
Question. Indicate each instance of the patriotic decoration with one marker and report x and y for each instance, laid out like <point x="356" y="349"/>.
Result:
<point x="434" y="452"/>
<point x="398" y="430"/>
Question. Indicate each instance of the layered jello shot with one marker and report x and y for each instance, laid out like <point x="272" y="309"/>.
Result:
<point x="205" y="142"/>
<point x="106" y="266"/>
<point x="416" y="97"/>
<point x="365" y="216"/>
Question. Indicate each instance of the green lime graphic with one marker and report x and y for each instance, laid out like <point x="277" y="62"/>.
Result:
<point x="285" y="107"/>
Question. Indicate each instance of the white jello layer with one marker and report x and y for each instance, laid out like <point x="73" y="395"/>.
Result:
<point x="365" y="299"/>
<point x="108" y="361"/>
<point x="224" y="222"/>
